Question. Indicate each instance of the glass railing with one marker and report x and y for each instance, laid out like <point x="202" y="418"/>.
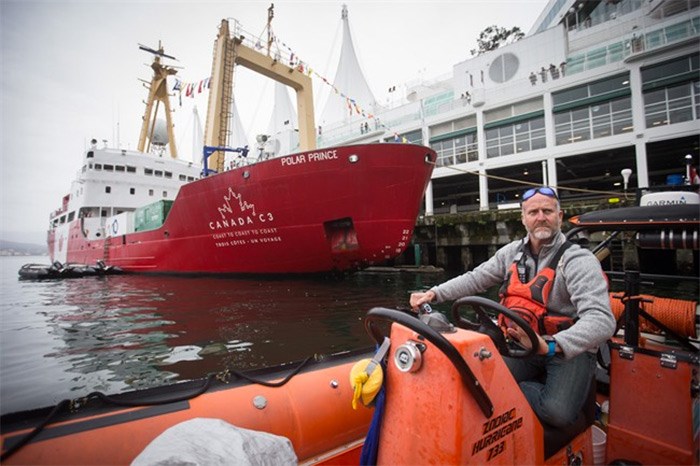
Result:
<point x="640" y="41"/>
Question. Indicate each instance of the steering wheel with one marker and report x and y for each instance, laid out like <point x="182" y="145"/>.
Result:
<point x="486" y="325"/>
<point x="408" y="320"/>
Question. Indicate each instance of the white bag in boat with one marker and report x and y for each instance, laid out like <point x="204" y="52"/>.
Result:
<point x="204" y="441"/>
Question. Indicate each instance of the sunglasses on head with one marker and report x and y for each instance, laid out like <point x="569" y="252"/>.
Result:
<point x="546" y="190"/>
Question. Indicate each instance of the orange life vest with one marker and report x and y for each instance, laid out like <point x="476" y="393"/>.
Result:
<point x="529" y="299"/>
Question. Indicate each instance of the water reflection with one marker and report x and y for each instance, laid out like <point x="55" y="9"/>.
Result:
<point x="126" y="332"/>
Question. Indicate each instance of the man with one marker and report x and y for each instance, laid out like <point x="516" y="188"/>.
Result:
<point x="578" y="317"/>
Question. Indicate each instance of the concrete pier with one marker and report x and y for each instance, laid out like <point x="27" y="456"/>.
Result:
<point x="462" y="241"/>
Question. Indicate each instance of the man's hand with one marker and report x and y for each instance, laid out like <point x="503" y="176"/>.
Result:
<point x="518" y="334"/>
<point x="421" y="298"/>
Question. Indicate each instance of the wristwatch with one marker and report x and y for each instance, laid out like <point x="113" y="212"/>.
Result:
<point x="551" y="344"/>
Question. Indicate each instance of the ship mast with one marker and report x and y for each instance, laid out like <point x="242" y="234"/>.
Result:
<point x="229" y="50"/>
<point x="158" y="93"/>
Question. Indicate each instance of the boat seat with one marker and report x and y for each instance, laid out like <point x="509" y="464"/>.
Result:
<point x="555" y="438"/>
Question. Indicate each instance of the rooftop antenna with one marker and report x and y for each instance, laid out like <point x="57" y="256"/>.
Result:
<point x="158" y="52"/>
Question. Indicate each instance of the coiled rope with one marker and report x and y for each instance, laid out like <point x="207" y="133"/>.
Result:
<point x="677" y="314"/>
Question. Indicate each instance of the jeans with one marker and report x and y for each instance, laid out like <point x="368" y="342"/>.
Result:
<point x="556" y="388"/>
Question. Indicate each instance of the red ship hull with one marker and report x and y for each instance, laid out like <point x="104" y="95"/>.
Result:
<point x="326" y="210"/>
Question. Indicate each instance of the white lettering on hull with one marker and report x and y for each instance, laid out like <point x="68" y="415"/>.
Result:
<point x="299" y="159"/>
<point x="240" y="224"/>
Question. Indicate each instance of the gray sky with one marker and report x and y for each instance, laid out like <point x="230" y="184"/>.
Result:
<point x="69" y="72"/>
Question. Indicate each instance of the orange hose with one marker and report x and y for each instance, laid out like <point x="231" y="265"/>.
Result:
<point x="677" y="314"/>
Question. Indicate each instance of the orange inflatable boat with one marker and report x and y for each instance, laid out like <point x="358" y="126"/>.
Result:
<point x="312" y="409"/>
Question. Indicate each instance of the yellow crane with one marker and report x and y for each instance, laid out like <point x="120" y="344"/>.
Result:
<point x="229" y="50"/>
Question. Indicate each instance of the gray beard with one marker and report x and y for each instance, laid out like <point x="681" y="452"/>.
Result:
<point x="541" y="233"/>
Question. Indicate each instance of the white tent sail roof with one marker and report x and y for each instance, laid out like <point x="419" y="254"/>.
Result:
<point x="237" y="136"/>
<point x="350" y="81"/>
<point x="282" y="130"/>
<point x="284" y="116"/>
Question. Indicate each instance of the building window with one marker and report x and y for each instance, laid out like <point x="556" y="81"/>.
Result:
<point x="672" y="104"/>
<point x="108" y="189"/>
<point x="598" y="90"/>
<point x="672" y="91"/>
<point x="132" y="191"/>
<point x="460" y="149"/>
<point x="515" y="138"/>
<point x="594" y="121"/>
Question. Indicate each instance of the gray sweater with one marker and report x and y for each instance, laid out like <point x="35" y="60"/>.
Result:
<point x="580" y="291"/>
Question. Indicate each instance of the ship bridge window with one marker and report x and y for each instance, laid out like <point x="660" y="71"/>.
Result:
<point x="148" y="171"/>
<point x="90" y="154"/>
<point x="98" y="166"/>
<point x="165" y="194"/>
<point x="130" y="169"/>
<point x="84" y="169"/>
<point x="108" y="168"/>
<point x="168" y="174"/>
<point x="183" y="178"/>
<point x="119" y="168"/>
<point x="108" y="189"/>
<point x="190" y="178"/>
<point x="71" y="216"/>
<point x="158" y="173"/>
<point x="132" y="190"/>
<point x="150" y="192"/>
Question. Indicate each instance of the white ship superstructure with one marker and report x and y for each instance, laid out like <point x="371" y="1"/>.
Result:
<point x="111" y="185"/>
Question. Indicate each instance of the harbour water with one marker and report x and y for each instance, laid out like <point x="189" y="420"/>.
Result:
<point x="66" y="338"/>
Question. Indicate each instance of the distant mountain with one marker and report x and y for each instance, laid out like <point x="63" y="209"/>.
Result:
<point x="11" y="248"/>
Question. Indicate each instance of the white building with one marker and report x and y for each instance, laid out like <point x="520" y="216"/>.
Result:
<point x="595" y="87"/>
